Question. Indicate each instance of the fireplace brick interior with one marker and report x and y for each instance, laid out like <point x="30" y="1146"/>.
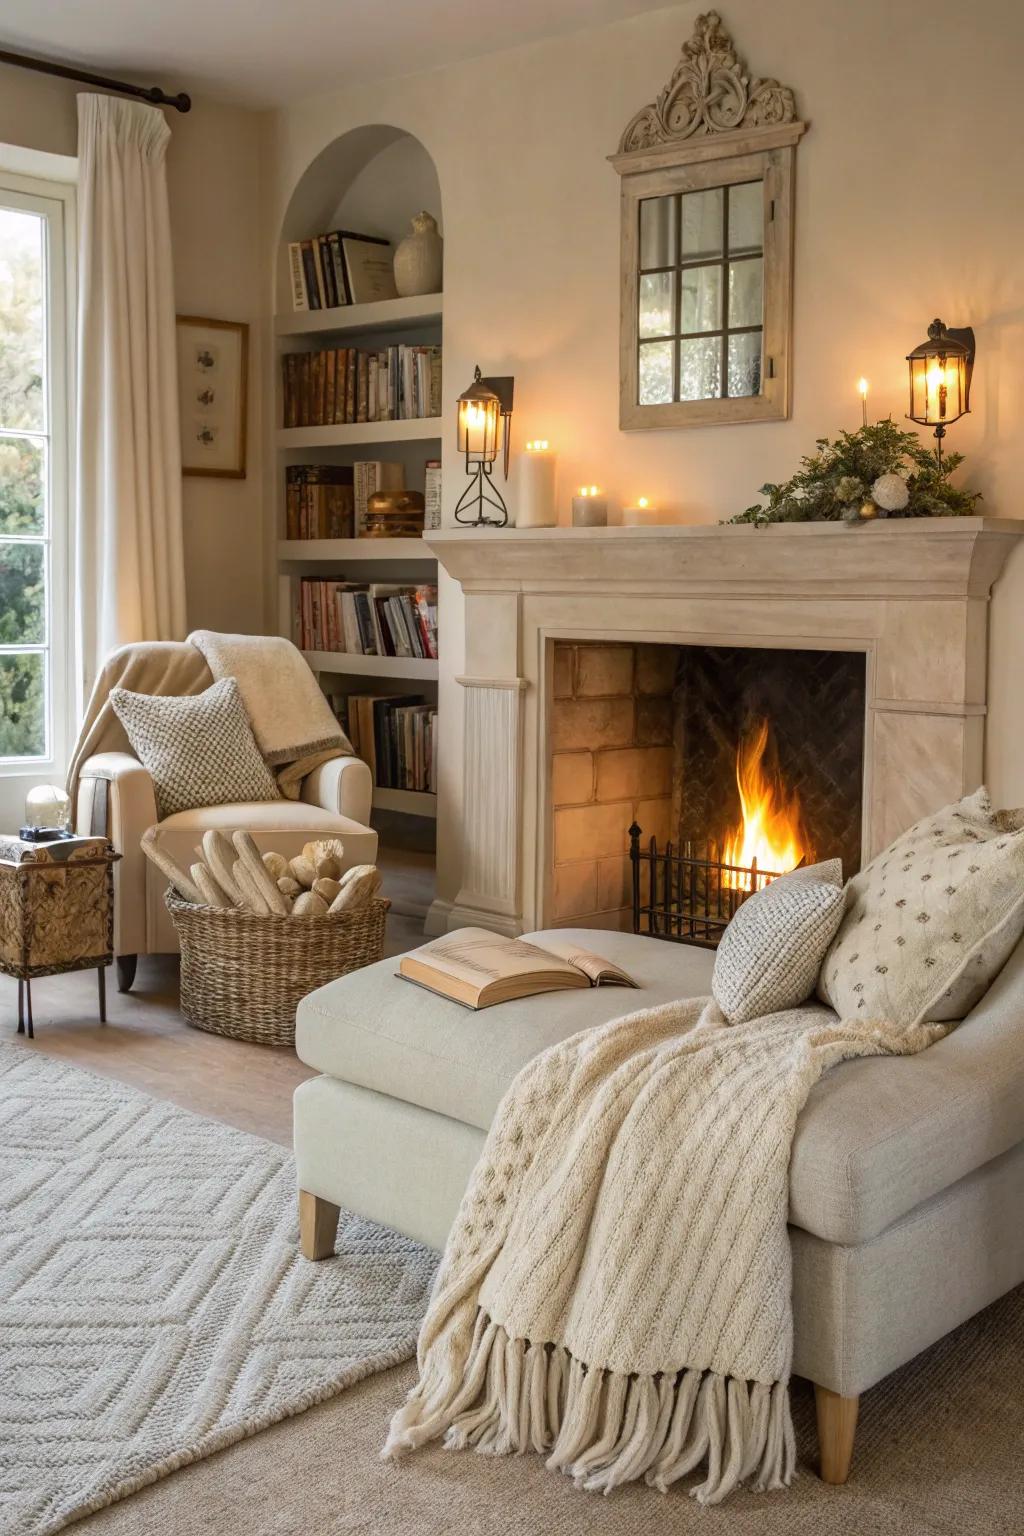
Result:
<point x="649" y="732"/>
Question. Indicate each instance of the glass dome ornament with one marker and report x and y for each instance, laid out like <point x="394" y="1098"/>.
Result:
<point x="47" y="814"/>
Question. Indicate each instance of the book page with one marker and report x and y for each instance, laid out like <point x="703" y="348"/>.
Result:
<point x="476" y="957"/>
<point x="594" y="967"/>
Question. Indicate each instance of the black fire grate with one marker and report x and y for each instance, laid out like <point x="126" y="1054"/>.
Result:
<point x="692" y="893"/>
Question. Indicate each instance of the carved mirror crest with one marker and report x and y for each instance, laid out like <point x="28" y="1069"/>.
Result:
<point x="707" y="243"/>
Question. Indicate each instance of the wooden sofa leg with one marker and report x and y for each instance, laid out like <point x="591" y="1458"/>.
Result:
<point x="837" y="1425"/>
<point x="318" y="1226"/>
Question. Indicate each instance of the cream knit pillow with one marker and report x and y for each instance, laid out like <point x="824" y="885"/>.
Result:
<point x="199" y="749"/>
<point x="770" y="954"/>
<point x="931" y="921"/>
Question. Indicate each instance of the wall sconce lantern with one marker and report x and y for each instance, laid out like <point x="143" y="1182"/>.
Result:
<point x="483" y="416"/>
<point x="940" y="379"/>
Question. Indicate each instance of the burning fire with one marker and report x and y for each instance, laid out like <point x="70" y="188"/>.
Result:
<point x="770" y="830"/>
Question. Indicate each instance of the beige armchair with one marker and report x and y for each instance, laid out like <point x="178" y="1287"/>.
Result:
<point x="113" y="797"/>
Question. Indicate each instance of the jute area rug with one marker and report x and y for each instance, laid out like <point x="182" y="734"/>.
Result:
<point x="153" y="1307"/>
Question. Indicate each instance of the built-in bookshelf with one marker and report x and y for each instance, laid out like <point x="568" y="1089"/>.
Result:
<point x="412" y="443"/>
<point x="375" y="339"/>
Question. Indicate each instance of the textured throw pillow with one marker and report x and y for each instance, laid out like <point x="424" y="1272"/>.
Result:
<point x="931" y="921"/>
<point x="770" y="954"/>
<point x="199" y="749"/>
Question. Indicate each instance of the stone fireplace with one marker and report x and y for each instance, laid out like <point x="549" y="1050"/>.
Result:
<point x="616" y="670"/>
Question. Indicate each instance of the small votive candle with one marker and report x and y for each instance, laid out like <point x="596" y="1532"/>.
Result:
<point x="536" y="471"/>
<point x="643" y="515"/>
<point x="589" y="508"/>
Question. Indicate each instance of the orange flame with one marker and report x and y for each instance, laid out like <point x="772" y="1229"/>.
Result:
<point x="770" y="830"/>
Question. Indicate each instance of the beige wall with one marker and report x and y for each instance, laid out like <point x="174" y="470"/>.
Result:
<point x="906" y="208"/>
<point x="213" y="172"/>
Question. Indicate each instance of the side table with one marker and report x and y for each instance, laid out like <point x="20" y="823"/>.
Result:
<point x="56" y="913"/>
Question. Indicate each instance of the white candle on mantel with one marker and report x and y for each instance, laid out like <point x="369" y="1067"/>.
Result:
<point x="643" y="515"/>
<point x="589" y="508"/>
<point x="537" y="467"/>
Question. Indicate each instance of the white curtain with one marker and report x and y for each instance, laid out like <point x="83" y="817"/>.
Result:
<point x="131" y="572"/>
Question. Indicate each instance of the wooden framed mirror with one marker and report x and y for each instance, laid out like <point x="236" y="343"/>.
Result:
<point x="707" y="244"/>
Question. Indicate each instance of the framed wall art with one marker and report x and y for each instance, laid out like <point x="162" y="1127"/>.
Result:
<point x="213" y="385"/>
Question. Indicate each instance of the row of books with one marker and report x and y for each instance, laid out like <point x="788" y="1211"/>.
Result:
<point x="329" y="501"/>
<point x="395" y="735"/>
<point x="364" y="618"/>
<point x="340" y="268"/>
<point x="344" y="384"/>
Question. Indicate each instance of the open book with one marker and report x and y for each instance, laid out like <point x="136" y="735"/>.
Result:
<point x="478" y="968"/>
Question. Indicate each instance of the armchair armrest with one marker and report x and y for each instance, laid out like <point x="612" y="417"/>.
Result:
<point x="116" y="800"/>
<point x="343" y="785"/>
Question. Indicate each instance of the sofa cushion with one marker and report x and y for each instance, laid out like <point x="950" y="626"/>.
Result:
<point x="199" y="748"/>
<point x="378" y="1031"/>
<point x="876" y="1137"/>
<point x="769" y="956"/>
<point x="277" y="826"/>
<point x="930" y="922"/>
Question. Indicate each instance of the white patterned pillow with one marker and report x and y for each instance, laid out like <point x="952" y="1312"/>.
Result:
<point x="770" y="954"/>
<point x="932" y="920"/>
<point x="199" y="748"/>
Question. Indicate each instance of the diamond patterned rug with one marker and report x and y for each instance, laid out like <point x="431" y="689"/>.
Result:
<point x="153" y="1305"/>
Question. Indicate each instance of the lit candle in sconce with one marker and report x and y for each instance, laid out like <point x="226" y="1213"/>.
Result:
<point x="537" y="468"/>
<point x="589" y="508"/>
<point x="862" y="390"/>
<point x="643" y="515"/>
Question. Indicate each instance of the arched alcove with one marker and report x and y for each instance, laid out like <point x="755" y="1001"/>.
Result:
<point x="371" y="180"/>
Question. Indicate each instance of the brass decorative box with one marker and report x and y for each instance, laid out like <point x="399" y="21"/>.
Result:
<point x="56" y="906"/>
<point x="394" y="515"/>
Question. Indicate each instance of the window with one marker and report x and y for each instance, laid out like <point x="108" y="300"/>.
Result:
<point x="34" y="417"/>
<point x="707" y="243"/>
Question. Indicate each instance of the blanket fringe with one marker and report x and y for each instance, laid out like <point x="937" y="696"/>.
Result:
<point x="602" y="1427"/>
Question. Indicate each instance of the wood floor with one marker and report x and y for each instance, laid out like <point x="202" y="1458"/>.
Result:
<point x="147" y="1043"/>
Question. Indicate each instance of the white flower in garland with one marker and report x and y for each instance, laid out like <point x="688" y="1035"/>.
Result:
<point x="890" y="493"/>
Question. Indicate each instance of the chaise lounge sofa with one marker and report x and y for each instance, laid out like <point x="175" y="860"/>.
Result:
<point x="906" y="1181"/>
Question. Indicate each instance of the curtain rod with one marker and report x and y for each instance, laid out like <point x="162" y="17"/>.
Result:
<point x="151" y="93"/>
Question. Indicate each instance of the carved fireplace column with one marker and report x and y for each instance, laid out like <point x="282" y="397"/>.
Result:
<point x="489" y="896"/>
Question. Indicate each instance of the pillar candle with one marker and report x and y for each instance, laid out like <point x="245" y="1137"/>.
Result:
<point x="536" y="505"/>
<point x="589" y="508"/>
<point x="643" y="515"/>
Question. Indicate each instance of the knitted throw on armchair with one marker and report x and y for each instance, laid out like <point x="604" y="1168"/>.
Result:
<point x="615" y="1293"/>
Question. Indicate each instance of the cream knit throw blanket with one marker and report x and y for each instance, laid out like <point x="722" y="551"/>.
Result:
<point x="615" y="1293"/>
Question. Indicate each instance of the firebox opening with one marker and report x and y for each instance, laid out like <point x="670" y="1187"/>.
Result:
<point x="748" y="759"/>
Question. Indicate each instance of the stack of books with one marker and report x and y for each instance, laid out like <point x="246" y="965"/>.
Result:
<point x="395" y="735"/>
<point x="320" y="501"/>
<point x="364" y="618"/>
<point x="340" y="268"/>
<point x="344" y="384"/>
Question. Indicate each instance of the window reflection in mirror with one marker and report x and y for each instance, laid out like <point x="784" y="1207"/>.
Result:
<point x="700" y="288"/>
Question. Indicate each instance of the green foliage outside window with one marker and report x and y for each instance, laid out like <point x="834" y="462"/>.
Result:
<point x="22" y="470"/>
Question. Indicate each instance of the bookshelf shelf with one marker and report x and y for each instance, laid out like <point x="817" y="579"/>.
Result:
<point x="361" y="434"/>
<point x="353" y="551"/>
<point x="414" y="802"/>
<point x="371" y="666"/>
<point x="350" y="319"/>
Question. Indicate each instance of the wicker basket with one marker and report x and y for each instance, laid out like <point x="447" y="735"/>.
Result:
<point x="243" y="975"/>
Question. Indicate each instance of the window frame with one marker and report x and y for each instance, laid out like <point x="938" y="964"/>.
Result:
<point x="55" y="203"/>
<point x="698" y="165"/>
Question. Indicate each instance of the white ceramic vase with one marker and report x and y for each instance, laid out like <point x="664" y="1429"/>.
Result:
<point x="419" y="259"/>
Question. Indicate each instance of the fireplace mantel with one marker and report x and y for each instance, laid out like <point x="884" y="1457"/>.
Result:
<point x="912" y="595"/>
<point x="912" y="556"/>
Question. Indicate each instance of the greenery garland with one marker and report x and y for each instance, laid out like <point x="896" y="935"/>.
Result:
<point x="877" y="471"/>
